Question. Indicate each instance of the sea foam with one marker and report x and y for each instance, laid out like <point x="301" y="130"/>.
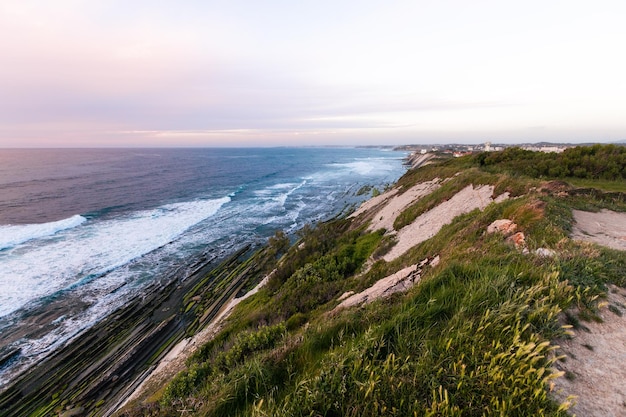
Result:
<point x="13" y="235"/>
<point x="76" y="256"/>
<point x="366" y="166"/>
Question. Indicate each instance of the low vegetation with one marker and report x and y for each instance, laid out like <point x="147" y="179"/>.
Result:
<point x="599" y="162"/>
<point x="473" y="338"/>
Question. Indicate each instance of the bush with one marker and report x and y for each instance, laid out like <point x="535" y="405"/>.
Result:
<point x="606" y="162"/>
<point x="248" y="343"/>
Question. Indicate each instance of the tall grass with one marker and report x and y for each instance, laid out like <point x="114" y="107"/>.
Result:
<point x="447" y="351"/>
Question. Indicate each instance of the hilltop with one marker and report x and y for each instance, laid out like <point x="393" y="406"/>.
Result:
<point x="448" y="294"/>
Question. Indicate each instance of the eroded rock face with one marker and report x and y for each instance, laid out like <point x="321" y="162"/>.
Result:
<point x="397" y="282"/>
<point x="345" y="295"/>
<point x="386" y="216"/>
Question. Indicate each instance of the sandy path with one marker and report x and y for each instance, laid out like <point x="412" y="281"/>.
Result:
<point x="430" y="223"/>
<point x="595" y="360"/>
<point x="595" y="356"/>
<point x="606" y="228"/>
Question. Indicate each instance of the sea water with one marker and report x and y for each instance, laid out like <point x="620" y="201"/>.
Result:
<point x="83" y="231"/>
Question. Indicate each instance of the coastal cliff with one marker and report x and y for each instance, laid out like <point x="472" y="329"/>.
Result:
<point x="418" y="159"/>
<point x="448" y="294"/>
<point x="466" y="319"/>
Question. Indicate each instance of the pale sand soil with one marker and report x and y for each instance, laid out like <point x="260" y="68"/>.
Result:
<point x="385" y="217"/>
<point x="595" y="363"/>
<point x="430" y="223"/>
<point x="175" y="360"/>
<point x="595" y="357"/>
<point x="373" y="202"/>
<point x="606" y="228"/>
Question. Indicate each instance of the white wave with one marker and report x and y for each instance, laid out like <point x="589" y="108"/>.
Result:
<point x="359" y="169"/>
<point x="43" y="267"/>
<point x="366" y="167"/>
<point x="277" y="194"/>
<point x="282" y="198"/>
<point x="273" y="189"/>
<point x="13" y="235"/>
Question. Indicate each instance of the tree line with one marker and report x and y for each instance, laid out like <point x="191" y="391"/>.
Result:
<point x="606" y="162"/>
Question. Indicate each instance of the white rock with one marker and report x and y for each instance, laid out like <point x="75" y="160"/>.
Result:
<point x="504" y="226"/>
<point x="545" y="253"/>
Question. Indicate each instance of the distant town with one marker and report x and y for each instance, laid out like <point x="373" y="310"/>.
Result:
<point x="459" y="150"/>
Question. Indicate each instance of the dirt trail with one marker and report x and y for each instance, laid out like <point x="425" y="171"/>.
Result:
<point x="607" y="228"/>
<point x="596" y="354"/>
<point x="594" y="363"/>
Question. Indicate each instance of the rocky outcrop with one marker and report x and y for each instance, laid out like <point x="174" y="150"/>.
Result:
<point x="504" y="226"/>
<point x="606" y="227"/>
<point x="418" y="159"/>
<point x="519" y="241"/>
<point x="95" y="373"/>
<point x="507" y="228"/>
<point x="400" y="281"/>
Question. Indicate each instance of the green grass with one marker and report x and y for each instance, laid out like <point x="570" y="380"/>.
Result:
<point x="605" y="185"/>
<point x="454" y="344"/>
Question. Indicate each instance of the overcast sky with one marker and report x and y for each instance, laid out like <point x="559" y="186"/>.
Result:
<point x="216" y="73"/>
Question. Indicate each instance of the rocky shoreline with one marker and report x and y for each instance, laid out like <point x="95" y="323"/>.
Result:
<point x="97" y="371"/>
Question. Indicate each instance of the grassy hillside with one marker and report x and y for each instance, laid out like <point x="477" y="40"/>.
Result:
<point x="472" y="338"/>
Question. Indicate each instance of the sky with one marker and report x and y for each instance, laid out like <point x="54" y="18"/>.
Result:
<point x="94" y="73"/>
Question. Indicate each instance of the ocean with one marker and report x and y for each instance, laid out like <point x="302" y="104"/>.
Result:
<point x="83" y="231"/>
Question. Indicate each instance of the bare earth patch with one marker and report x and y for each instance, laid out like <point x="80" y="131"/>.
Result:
<point x="386" y="216"/>
<point x="595" y="361"/>
<point x="430" y="223"/>
<point x="595" y="356"/>
<point x="373" y="202"/>
<point x="389" y="205"/>
<point x="607" y="228"/>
